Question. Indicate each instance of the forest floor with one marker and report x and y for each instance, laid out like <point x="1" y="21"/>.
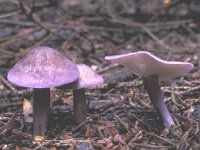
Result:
<point x="120" y="115"/>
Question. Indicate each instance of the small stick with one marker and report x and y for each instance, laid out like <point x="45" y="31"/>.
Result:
<point x="7" y="84"/>
<point x="9" y="14"/>
<point x="122" y="122"/>
<point x="192" y="89"/>
<point x="6" y="126"/>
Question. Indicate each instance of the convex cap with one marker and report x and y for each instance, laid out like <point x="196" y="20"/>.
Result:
<point x="87" y="78"/>
<point x="43" y="67"/>
<point x="145" y="64"/>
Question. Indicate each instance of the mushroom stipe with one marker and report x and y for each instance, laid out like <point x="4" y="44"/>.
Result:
<point x="41" y="105"/>
<point x="151" y="84"/>
<point x="87" y="78"/>
<point x="79" y="105"/>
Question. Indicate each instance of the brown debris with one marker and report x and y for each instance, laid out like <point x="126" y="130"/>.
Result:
<point x="119" y="113"/>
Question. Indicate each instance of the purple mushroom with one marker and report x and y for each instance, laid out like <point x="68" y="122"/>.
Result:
<point x="87" y="78"/>
<point x="152" y="70"/>
<point x="41" y="69"/>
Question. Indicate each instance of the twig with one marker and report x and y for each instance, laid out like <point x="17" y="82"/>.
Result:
<point x="159" y="137"/>
<point x="44" y="144"/>
<point x="36" y="19"/>
<point x="7" y="126"/>
<point x="192" y="89"/>
<point x="9" y="14"/>
<point x="80" y="125"/>
<point x="173" y="96"/>
<point x="182" y="143"/>
<point x="16" y="22"/>
<point x="148" y="146"/>
<point x="122" y="122"/>
<point x="10" y="86"/>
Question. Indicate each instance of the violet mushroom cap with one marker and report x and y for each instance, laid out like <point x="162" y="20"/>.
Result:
<point x="153" y="70"/>
<point x="42" y="68"/>
<point x="144" y="64"/>
<point x="87" y="78"/>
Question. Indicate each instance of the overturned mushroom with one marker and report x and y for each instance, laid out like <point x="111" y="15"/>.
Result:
<point x="152" y="70"/>
<point x="41" y="69"/>
<point x="87" y="78"/>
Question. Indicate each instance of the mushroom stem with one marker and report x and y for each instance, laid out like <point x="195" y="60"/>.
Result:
<point x="79" y="105"/>
<point x="41" y="99"/>
<point x="152" y="86"/>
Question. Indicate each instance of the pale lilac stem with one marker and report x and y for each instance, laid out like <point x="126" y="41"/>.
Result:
<point x="152" y="86"/>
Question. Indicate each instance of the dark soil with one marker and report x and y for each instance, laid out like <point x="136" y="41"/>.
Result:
<point x="120" y="115"/>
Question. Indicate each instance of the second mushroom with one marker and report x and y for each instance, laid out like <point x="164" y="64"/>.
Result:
<point x="152" y="70"/>
<point x="87" y="78"/>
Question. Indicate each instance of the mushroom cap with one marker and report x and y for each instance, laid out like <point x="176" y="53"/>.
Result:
<point x="145" y="64"/>
<point x="87" y="77"/>
<point x="43" y="67"/>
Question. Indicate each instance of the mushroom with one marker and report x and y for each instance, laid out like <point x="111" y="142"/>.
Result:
<point x="42" y="68"/>
<point x="152" y="70"/>
<point x="87" y="78"/>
